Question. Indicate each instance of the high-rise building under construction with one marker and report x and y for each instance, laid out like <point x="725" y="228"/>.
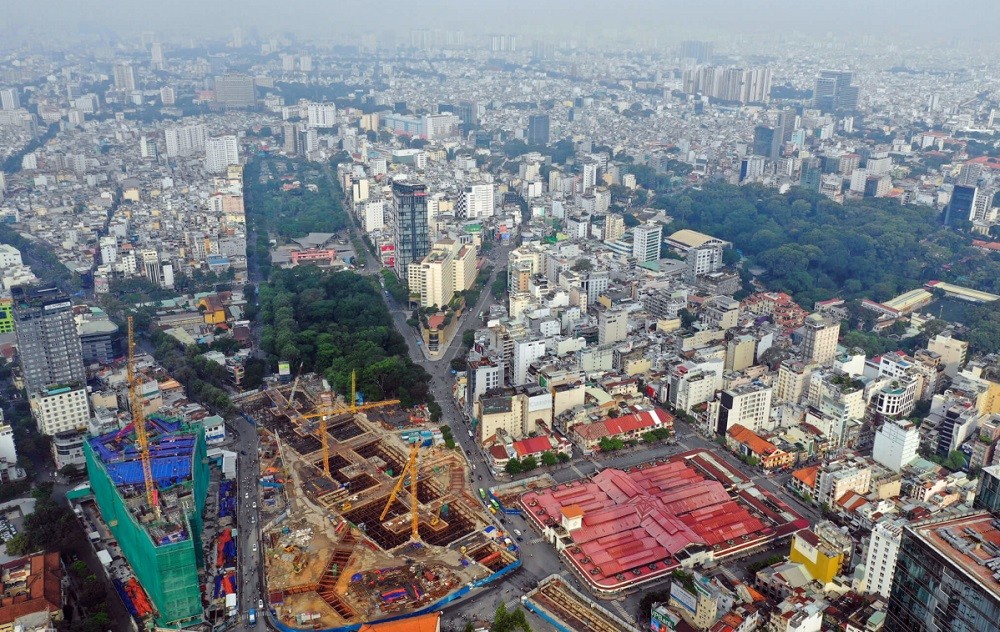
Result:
<point x="162" y="544"/>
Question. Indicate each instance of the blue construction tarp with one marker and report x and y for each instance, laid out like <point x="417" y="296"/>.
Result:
<point x="166" y="471"/>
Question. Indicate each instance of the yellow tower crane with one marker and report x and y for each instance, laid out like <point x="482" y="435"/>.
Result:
<point x="139" y="423"/>
<point x="410" y="467"/>
<point x="327" y="407"/>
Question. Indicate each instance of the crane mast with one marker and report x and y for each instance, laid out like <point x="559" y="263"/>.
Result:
<point x="139" y="423"/>
<point x="327" y="407"/>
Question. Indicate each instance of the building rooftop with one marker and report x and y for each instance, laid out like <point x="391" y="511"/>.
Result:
<point x="28" y="585"/>
<point x="172" y="451"/>
<point x="638" y="524"/>
<point x="971" y="542"/>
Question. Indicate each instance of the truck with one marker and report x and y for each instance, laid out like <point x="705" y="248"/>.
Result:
<point x="252" y="616"/>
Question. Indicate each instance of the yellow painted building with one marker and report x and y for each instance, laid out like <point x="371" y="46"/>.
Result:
<point x="821" y="558"/>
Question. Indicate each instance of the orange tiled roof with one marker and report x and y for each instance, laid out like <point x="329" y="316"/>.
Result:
<point x="807" y="475"/>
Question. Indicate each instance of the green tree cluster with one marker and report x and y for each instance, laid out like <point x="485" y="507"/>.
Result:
<point x="814" y="248"/>
<point x="509" y="621"/>
<point x="297" y="212"/>
<point x="51" y="527"/>
<point x="610" y="444"/>
<point x="335" y="323"/>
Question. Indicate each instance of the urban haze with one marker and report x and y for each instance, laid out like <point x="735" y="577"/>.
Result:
<point x="500" y="316"/>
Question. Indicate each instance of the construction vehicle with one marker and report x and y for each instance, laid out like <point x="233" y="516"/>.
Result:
<point x="139" y="423"/>
<point x="442" y="510"/>
<point x="410" y="468"/>
<point x="327" y="407"/>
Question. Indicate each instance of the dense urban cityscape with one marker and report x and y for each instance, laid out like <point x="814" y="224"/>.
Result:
<point x="422" y="328"/>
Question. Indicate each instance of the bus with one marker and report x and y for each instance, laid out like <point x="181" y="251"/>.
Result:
<point x="482" y="493"/>
<point x="252" y="616"/>
<point x="496" y="505"/>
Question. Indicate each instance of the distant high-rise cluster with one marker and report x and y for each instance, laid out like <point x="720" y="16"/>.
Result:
<point x="697" y="50"/>
<point x="743" y="85"/>
<point x="503" y="43"/>
<point x="834" y="91"/>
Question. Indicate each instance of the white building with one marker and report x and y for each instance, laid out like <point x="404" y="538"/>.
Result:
<point x="373" y="216"/>
<point x="748" y="405"/>
<point x="8" y="452"/>
<point x="953" y="352"/>
<point x="9" y="256"/>
<point x="220" y="152"/>
<point x="612" y="326"/>
<point x="65" y="409"/>
<point x="185" y="140"/>
<point x="896" y="444"/>
<point x="321" y="114"/>
<point x="478" y="201"/>
<point x="109" y="249"/>
<point x="646" y="242"/>
<point x="880" y="560"/>
<point x="526" y="352"/>
<point x="439" y="126"/>
<point x="820" y="342"/>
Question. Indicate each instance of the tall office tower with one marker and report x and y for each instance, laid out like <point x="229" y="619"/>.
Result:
<point x="220" y="152"/>
<point x="962" y="204"/>
<point x="820" y="342"/>
<point x="982" y="210"/>
<point x="478" y="201"/>
<point x="700" y="52"/>
<point x="124" y="77"/>
<point x="185" y="140"/>
<point x="47" y="341"/>
<point x="306" y="63"/>
<point x="235" y="91"/>
<point x="9" y="99"/>
<point x="168" y="95"/>
<point x="646" y="239"/>
<point x="538" y="129"/>
<point x="290" y="138"/>
<point x="237" y="40"/>
<point x="812" y="174"/>
<point x="468" y="114"/>
<point x="944" y="577"/>
<point x="409" y="224"/>
<point x="833" y="91"/>
<point x="156" y="56"/>
<point x="767" y="142"/>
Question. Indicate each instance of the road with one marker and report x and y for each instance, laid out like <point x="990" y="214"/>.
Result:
<point x="248" y="542"/>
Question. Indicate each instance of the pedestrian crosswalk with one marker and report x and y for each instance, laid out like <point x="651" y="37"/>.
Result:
<point x="620" y="610"/>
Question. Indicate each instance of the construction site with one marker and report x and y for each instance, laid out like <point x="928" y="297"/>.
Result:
<point x="366" y="515"/>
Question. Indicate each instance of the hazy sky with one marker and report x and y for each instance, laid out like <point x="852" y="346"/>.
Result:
<point x="670" y="20"/>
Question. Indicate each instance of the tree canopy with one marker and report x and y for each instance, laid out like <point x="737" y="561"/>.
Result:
<point x="334" y="323"/>
<point x="814" y="248"/>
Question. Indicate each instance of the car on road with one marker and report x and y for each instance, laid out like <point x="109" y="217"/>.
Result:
<point x="246" y="496"/>
<point x="517" y="532"/>
<point x="255" y="505"/>
<point x="254" y="547"/>
<point x="260" y="604"/>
